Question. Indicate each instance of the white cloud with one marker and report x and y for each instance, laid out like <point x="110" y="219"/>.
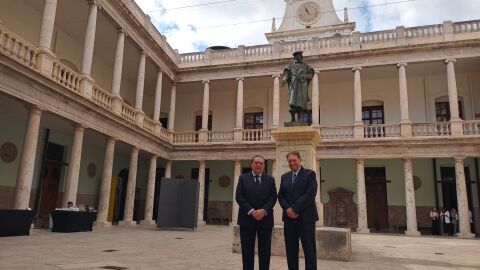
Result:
<point x="194" y="28"/>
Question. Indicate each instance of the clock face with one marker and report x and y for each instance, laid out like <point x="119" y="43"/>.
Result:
<point x="308" y="13"/>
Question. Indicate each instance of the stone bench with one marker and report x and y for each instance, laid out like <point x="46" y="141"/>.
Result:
<point x="332" y="243"/>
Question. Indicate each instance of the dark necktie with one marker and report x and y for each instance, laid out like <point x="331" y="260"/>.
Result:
<point x="257" y="181"/>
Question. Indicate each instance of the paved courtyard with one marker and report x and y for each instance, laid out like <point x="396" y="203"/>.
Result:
<point x="210" y="248"/>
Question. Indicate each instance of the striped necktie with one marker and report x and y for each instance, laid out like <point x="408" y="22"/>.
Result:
<point x="294" y="177"/>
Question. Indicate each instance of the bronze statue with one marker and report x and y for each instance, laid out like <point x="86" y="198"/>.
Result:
<point x="298" y="76"/>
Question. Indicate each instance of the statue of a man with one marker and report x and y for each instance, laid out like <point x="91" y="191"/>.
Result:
<point x="298" y="76"/>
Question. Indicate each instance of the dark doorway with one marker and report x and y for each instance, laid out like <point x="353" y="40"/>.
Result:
<point x="194" y="175"/>
<point x="50" y="181"/>
<point x="449" y="187"/>
<point x="156" y="197"/>
<point x="377" y="203"/>
<point x="120" y="195"/>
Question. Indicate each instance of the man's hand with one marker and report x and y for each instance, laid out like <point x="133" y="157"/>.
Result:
<point x="291" y="213"/>
<point x="259" y="214"/>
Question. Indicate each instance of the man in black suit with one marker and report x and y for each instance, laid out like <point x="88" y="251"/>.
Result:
<point x="256" y="195"/>
<point x="297" y="199"/>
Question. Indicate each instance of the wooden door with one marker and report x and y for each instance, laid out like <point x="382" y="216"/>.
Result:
<point x="377" y="203"/>
<point x="50" y="185"/>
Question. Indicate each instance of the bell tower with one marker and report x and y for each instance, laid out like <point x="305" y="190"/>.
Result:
<point x="306" y="19"/>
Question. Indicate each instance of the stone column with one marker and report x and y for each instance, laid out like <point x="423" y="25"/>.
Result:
<point x="48" y="23"/>
<point x="117" y="72"/>
<point x="462" y="200"/>
<point x="201" y="191"/>
<point x="455" y="121"/>
<point x="236" y="174"/>
<point x="158" y="101"/>
<point x="361" y="198"/>
<point x="71" y="185"/>
<point x="130" y="195"/>
<point x="318" y="197"/>
<point x="315" y="101"/>
<point x="23" y="185"/>
<point x="238" y="132"/>
<point x="168" y="169"/>
<point x="89" y="41"/>
<point x="405" y="123"/>
<point x="148" y="220"/>
<point x="140" y="115"/>
<point x="86" y="83"/>
<point x="45" y="56"/>
<point x="412" y="229"/>
<point x="104" y="193"/>
<point x="171" y="114"/>
<point x="276" y="101"/>
<point x="357" y="103"/>
<point x="203" y="133"/>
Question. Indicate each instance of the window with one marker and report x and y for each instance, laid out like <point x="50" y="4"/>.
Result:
<point x="373" y="115"/>
<point x="198" y="122"/>
<point x="253" y="120"/>
<point x="442" y="111"/>
<point x="164" y="121"/>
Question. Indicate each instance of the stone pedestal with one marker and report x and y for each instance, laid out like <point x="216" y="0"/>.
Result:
<point x="139" y="117"/>
<point x="86" y="86"/>
<point x="203" y="135"/>
<point x="238" y="135"/>
<point x="44" y="61"/>
<point x="295" y="138"/>
<point x="117" y="103"/>
<point x="332" y="243"/>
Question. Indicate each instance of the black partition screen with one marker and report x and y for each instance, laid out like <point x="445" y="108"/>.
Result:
<point x="178" y="204"/>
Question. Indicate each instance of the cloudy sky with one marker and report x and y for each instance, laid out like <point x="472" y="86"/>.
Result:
<point x="193" y="25"/>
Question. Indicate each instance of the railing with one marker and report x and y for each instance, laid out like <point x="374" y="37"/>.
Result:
<point x="257" y="135"/>
<point x="336" y="133"/>
<point x="471" y="127"/>
<point x="220" y="136"/>
<point x="128" y="113"/>
<point x="17" y="48"/>
<point x="165" y="134"/>
<point x="431" y="129"/>
<point x="380" y="131"/>
<point x="378" y="36"/>
<point x="191" y="57"/>
<point x="424" y="31"/>
<point x="185" y="137"/>
<point x="258" y="50"/>
<point x="66" y="77"/>
<point x="224" y="54"/>
<point x="467" y="26"/>
<point x="148" y="124"/>
<point x="102" y="98"/>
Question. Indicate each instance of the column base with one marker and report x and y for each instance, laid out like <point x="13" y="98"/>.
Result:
<point x="363" y="231"/>
<point x="201" y="223"/>
<point x="203" y="136"/>
<point x="412" y="233"/>
<point x="406" y="129"/>
<point x="86" y="86"/>
<point x="44" y="61"/>
<point x="456" y="127"/>
<point x="148" y="222"/>
<point x="102" y="224"/>
<point x="117" y="103"/>
<point x="358" y="132"/>
<point x="466" y="235"/>
<point x="238" y="135"/>
<point x="139" y="117"/>
<point x="157" y="128"/>
<point x="127" y="223"/>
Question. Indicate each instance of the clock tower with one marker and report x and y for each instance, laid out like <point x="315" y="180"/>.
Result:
<point x="306" y="19"/>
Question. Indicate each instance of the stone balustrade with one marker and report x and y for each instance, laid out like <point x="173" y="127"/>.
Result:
<point x="356" y="41"/>
<point x="17" y="48"/>
<point x="220" y="136"/>
<point x="431" y="129"/>
<point x="257" y="135"/>
<point x="128" y="113"/>
<point x="336" y="133"/>
<point x="66" y="77"/>
<point x="380" y="131"/>
<point x="102" y="98"/>
<point x="185" y="137"/>
<point x="471" y="127"/>
<point x="148" y="125"/>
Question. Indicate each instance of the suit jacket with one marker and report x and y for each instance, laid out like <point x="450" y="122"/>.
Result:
<point x="300" y="196"/>
<point x="250" y="196"/>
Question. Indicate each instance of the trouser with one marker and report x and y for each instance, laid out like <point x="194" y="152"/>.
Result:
<point x="247" y="237"/>
<point x="295" y="229"/>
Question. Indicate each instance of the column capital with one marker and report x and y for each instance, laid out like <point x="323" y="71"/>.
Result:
<point x="276" y="75"/>
<point x="357" y="69"/>
<point x="143" y="53"/>
<point x="36" y="109"/>
<point x="93" y="2"/>
<point x="459" y="158"/>
<point x="402" y="64"/>
<point x="407" y="158"/>
<point x="159" y="69"/>
<point x="316" y="71"/>
<point x="79" y="126"/>
<point x="120" y="30"/>
<point x="452" y="60"/>
<point x="360" y="159"/>
<point x="202" y="162"/>
<point x="240" y="79"/>
<point x="206" y="81"/>
<point x="135" y="149"/>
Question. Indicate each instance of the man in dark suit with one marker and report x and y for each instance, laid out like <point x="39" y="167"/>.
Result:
<point x="256" y="195"/>
<point x="297" y="199"/>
